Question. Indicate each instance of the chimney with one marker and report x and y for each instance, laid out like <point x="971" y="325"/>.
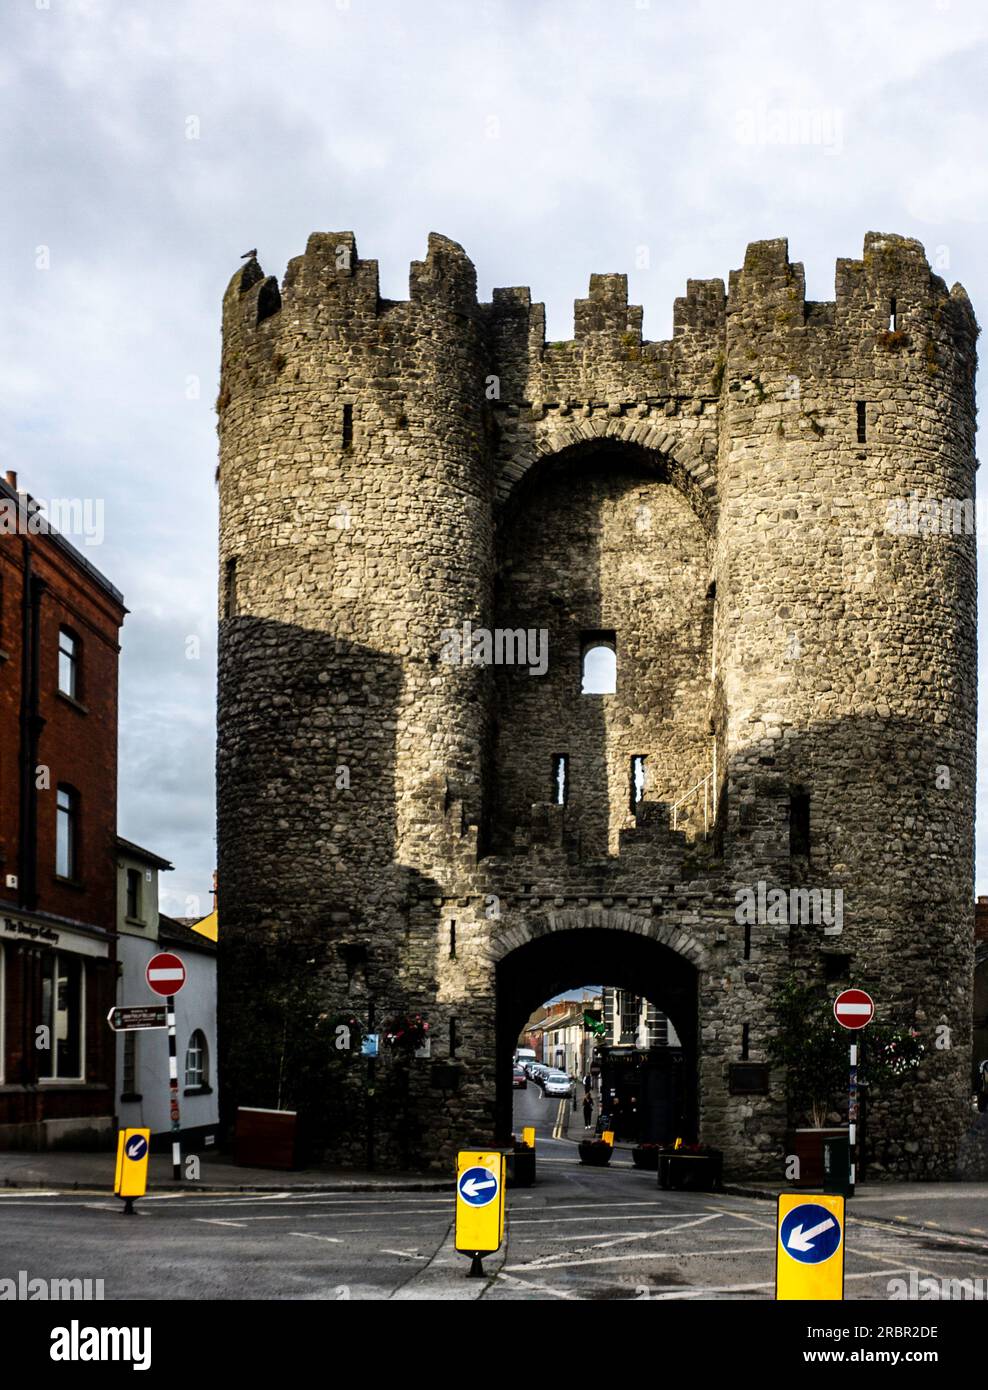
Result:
<point x="11" y="479"/>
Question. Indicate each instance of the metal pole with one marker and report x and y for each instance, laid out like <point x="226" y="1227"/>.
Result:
<point x="173" y="1089"/>
<point x="852" y="1116"/>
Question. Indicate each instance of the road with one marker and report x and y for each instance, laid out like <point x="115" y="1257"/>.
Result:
<point x="581" y="1233"/>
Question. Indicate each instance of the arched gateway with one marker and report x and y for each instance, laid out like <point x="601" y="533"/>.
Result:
<point x="435" y="528"/>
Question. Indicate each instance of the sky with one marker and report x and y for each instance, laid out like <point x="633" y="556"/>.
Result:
<point x="147" y="143"/>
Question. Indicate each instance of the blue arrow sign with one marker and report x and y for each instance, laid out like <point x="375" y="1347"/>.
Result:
<point x="137" y="1147"/>
<point x="478" y="1186"/>
<point x="810" y="1234"/>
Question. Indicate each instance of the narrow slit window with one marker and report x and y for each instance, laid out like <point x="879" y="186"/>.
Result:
<point x="452" y="941"/>
<point x="893" y="316"/>
<point x="745" y="1040"/>
<point x="560" y="779"/>
<point x="637" y="780"/>
<point x="799" y="824"/>
<point x="347" y="426"/>
<point x="599" y="663"/>
<point x="230" y="588"/>
<point x="862" y="423"/>
<point x="68" y="663"/>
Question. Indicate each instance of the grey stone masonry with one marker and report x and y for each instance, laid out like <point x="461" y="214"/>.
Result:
<point x="428" y="516"/>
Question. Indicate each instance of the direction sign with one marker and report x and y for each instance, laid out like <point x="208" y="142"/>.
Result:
<point x="131" y="1178"/>
<point x="853" y="1008"/>
<point x="127" y="1018"/>
<point x="809" y="1247"/>
<point x="479" y="1202"/>
<point x="165" y="973"/>
<point x="478" y="1186"/>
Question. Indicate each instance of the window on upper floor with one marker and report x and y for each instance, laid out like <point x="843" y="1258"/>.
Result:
<point x="599" y="663"/>
<point x="66" y="832"/>
<point x="68" y="663"/>
<point x="134" y="895"/>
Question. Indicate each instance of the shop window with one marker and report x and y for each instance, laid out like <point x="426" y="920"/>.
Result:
<point x="60" y="1045"/>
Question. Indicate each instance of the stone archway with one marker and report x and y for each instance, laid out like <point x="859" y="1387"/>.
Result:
<point x="559" y="949"/>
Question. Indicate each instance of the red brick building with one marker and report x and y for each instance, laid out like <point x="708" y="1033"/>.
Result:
<point x="59" y="626"/>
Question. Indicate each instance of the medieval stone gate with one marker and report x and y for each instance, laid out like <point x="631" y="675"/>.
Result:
<point x="431" y="519"/>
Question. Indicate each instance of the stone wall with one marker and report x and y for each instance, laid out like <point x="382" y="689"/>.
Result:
<point x="391" y="471"/>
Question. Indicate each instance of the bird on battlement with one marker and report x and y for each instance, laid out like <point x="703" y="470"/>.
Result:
<point x="249" y="255"/>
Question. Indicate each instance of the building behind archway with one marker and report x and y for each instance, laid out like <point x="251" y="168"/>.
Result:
<point x="538" y="650"/>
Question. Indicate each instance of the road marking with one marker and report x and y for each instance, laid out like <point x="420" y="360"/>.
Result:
<point x="310" y="1235"/>
<point x="406" y="1254"/>
<point x="215" y="1221"/>
<point x="629" y="1216"/>
<point x="623" y="1259"/>
<point x="540" y="1288"/>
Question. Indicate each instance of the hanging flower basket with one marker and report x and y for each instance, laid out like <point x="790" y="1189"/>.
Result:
<point x="406" y="1033"/>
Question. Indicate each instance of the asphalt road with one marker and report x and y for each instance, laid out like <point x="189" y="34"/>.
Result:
<point x="581" y="1233"/>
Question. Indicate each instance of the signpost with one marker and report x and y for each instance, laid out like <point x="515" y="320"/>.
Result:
<point x="131" y="1180"/>
<point x="853" y="1009"/>
<point x="479" y="1205"/>
<point x="166" y="975"/>
<point x="129" y="1018"/>
<point x="809" y="1247"/>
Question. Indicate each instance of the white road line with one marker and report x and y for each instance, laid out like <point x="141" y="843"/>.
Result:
<point x="540" y="1288"/>
<point x="19" y="1193"/>
<point x="552" y="1263"/>
<point x="406" y="1254"/>
<point x="215" y="1221"/>
<point x="629" y="1216"/>
<point x="310" y="1235"/>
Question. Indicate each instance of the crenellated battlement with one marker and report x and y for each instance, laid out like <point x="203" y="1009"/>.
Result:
<point x="890" y="314"/>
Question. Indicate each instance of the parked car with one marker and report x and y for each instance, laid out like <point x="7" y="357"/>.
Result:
<point x="519" y="1080"/>
<point x="557" y="1083"/>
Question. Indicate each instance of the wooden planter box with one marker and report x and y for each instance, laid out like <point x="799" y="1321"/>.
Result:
<point x="266" y="1139"/>
<point x="645" y="1158"/>
<point x="595" y="1154"/>
<point x="691" y="1172"/>
<point x="807" y="1145"/>
<point x="520" y="1166"/>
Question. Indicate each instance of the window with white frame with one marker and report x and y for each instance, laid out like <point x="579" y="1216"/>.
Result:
<point x="68" y="663"/>
<point x="66" y="832"/>
<point x="61" y="1045"/>
<point x="197" y="1061"/>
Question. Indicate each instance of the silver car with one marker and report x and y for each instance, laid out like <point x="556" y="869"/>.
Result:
<point x="557" y="1083"/>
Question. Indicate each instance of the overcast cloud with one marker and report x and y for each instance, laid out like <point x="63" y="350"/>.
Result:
<point x="552" y="138"/>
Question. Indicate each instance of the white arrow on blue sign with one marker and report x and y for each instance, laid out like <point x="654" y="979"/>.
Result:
<point x="478" y="1186"/>
<point x="810" y="1234"/>
<point x="137" y="1147"/>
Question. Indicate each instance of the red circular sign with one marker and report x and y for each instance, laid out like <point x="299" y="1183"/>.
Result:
<point x="853" y="1008"/>
<point x="165" y="973"/>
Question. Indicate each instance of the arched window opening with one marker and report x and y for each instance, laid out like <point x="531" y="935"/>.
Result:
<point x="197" y="1061"/>
<point x="599" y="663"/>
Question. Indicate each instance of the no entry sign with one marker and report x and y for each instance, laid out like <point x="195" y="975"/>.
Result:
<point x="853" y="1008"/>
<point x="165" y="973"/>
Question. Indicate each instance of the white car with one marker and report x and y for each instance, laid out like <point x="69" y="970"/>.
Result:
<point x="557" y="1083"/>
